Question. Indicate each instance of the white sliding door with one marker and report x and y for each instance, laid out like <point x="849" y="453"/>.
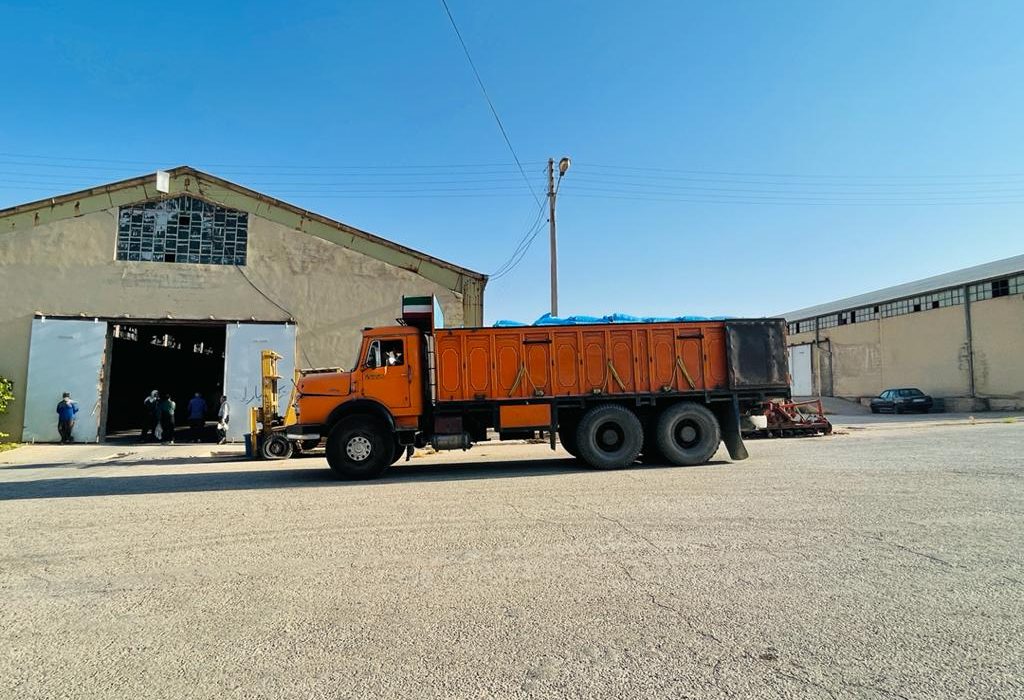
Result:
<point x="245" y="341"/>
<point x="64" y="356"/>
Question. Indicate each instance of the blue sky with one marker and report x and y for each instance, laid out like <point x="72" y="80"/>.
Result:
<point x="739" y="158"/>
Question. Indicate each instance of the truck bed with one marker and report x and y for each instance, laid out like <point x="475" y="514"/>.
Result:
<point x="513" y="364"/>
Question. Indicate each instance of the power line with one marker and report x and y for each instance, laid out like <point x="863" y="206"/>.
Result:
<point x="620" y="171"/>
<point x="794" y="193"/>
<point x="513" y="263"/>
<point x="325" y="195"/>
<point x="784" y="175"/>
<point x="281" y="166"/>
<point x="490" y="104"/>
<point x="831" y="203"/>
<point x="291" y="316"/>
<point x="524" y="244"/>
<point x="631" y="178"/>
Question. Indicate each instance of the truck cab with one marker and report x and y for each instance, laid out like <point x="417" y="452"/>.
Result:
<point x="388" y="380"/>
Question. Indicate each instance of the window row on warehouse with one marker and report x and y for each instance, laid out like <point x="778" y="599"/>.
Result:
<point x="1002" y="287"/>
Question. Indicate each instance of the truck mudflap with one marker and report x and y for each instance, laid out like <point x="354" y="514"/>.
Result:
<point x="729" y="422"/>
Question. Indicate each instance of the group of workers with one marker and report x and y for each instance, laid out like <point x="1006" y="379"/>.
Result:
<point x="157" y="418"/>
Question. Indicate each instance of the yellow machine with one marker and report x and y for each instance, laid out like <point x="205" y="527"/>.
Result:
<point x="266" y="424"/>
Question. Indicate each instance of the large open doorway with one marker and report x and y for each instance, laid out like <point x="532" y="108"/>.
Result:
<point x="175" y="359"/>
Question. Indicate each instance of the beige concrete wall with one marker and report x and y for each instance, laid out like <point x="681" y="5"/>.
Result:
<point x="926" y="350"/>
<point x="856" y="359"/>
<point x="998" y="330"/>
<point x="67" y="268"/>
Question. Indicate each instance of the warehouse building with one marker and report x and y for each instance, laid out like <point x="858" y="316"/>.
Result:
<point x="957" y="336"/>
<point x="175" y="281"/>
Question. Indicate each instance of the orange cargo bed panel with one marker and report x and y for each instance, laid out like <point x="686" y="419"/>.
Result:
<point x="537" y="415"/>
<point x="476" y="364"/>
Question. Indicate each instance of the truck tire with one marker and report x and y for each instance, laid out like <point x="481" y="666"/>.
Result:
<point x="609" y="437"/>
<point x="688" y="434"/>
<point x="359" y="447"/>
<point x="650" y="453"/>
<point x="399" y="451"/>
<point x="567" y="438"/>
<point x="276" y="446"/>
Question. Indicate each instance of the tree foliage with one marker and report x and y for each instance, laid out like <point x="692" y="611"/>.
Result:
<point x="6" y="397"/>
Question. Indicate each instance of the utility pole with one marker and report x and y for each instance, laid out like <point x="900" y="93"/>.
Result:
<point x="554" y="242"/>
<point x="563" y="167"/>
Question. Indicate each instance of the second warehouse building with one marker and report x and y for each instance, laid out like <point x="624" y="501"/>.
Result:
<point x="957" y="336"/>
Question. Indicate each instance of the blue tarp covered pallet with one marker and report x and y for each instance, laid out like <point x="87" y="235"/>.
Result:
<point x="549" y="320"/>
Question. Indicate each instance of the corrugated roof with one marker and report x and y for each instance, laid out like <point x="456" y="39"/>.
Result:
<point x="957" y="278"/>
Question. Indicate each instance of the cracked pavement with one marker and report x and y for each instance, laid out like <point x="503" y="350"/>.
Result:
<point x="876" y="564"/>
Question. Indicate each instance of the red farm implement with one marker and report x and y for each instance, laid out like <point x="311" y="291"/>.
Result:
<point x="791" y="419"/>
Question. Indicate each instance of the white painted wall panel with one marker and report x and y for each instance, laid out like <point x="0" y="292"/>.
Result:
<point x="245" y="341"/>
<point x="64" y="356"/>
<point x="800" y="370"/>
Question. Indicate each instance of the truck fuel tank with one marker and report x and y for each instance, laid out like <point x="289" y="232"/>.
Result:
<point x="456" y="441"/>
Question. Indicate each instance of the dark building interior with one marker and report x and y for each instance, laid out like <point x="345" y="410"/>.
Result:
<point x="175" y="359"/>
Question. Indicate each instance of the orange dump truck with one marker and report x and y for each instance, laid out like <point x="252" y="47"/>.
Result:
<point x="609" y="391"/>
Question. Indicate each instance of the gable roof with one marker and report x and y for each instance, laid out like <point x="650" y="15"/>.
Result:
<point x="187" y="180"/>
<point x="956" y="278"/>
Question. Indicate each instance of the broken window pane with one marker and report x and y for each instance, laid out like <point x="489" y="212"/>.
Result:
<point x="182" y="229"/>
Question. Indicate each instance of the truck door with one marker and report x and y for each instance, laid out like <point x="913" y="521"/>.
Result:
<point x="387" y="373"/>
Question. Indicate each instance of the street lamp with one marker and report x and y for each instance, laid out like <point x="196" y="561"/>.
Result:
<point x="563" y="168"/>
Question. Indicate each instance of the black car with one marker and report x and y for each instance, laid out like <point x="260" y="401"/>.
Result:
<point x="902" y="401"/>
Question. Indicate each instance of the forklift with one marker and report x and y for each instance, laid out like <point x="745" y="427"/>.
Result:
<point x="267" y="427"/>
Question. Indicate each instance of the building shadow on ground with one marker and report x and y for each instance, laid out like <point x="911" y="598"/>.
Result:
<point x="288" y="477"/>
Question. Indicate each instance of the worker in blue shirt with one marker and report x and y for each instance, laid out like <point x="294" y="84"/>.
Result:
<point x="196" y="417"/>
<point x="66" y="411"/>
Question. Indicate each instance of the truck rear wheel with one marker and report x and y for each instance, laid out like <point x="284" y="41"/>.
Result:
<point x="609" y="437"/>
<point x="688" y="434"/>
<point x="649" y="453"/>
<point x="567" y="438"/>
<point x="359" y="447"/>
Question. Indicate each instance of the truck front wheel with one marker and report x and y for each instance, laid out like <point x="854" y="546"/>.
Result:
<point x="609" y="437"/>
<point x="687" y="434"/>
<point x="359" y="447"/>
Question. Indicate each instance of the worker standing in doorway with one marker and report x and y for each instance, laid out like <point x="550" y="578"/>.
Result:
<point x="66" y="411"/>
<point x="223" y="417"/>
<point x="196" y="417"/>
<point x="150" y="415"/>
<point x="167" y="407"/>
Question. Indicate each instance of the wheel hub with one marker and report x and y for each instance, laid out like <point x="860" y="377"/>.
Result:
<point x="610" y="437"/>
<point x="687" y="434"/>
<point x="358" y="448"/>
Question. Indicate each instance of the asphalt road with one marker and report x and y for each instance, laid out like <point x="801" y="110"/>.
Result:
<point x="871" y="564"/>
